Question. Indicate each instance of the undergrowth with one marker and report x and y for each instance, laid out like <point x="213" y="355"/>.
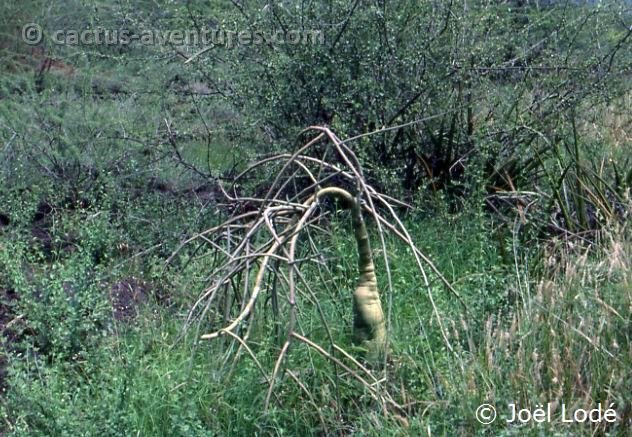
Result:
<point x="557" y="333"/>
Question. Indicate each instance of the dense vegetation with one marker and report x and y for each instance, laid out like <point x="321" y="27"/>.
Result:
<point x="500" y="131"/>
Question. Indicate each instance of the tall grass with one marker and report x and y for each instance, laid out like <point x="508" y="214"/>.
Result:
<point x="568" y="342"/>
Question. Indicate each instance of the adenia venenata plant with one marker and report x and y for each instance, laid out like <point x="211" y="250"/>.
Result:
<point x="369" y="328"/>
<point x="270" y="242"/>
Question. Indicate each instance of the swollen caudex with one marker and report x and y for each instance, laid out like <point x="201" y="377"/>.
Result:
<point x="369" y="329"/>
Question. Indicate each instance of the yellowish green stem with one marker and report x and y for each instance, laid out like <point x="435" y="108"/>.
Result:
<point x="369" y="328"/>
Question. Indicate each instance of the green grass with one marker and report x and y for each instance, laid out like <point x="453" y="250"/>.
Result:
<point x="91" y="374"/>
<point x="529" y="339"/>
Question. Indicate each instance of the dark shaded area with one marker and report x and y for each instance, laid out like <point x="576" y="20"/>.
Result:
<point x="126" y="296"/>
<point x="41" y="232"/>
<point x="9" y="335"/>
